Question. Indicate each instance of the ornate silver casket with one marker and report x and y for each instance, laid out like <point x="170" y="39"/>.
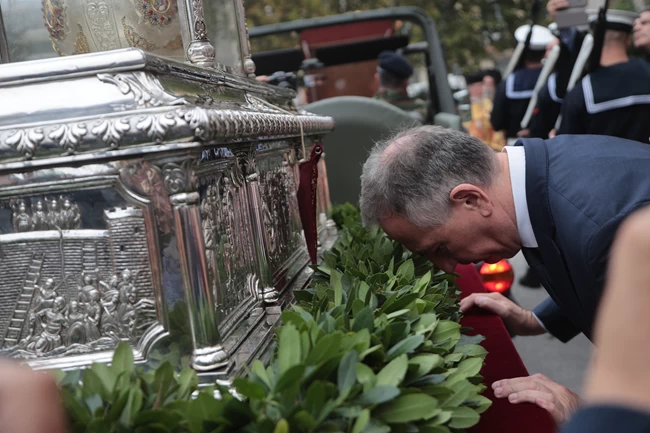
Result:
<point x="148" y="200"/>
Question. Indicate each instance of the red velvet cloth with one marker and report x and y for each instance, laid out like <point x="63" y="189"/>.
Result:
<point x="307" y="191"/>
<point x="502" y="362"/>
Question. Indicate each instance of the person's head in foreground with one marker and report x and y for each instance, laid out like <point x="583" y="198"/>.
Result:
<point x="443" y="194"/>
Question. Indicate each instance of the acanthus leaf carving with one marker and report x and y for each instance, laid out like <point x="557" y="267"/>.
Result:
<point x="69" y="136"/>
<point x="145" y="88"/>
<point x="157" y="126"/>
<point x="25" y="141"/>
<point x="202" y="122"/>
<point x="111" y="132"/>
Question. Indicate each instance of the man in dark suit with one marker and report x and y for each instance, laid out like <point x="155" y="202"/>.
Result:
<point x="446" y="195"/>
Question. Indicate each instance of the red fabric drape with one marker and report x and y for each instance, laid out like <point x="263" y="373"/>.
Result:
<point x="307" y="199"/>
<point x="502" y="362"/>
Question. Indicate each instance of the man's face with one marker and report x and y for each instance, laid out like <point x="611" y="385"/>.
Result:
<point x="466" y="237"/>
<point x="642" y="31"/>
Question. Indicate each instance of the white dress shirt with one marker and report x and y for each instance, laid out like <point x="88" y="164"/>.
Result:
<point x="517" y="164"/>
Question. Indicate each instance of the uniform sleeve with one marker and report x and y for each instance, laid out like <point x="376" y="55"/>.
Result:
<point x="499" y="117"/>
<point x="555" y="321"/>
<point x="574" y="112"/>
<point x="607" y="419"/>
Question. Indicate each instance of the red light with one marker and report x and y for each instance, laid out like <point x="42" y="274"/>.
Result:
<point x="497" y="277"/>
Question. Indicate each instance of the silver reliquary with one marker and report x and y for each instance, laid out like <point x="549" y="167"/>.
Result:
<point x="144" y="198"/>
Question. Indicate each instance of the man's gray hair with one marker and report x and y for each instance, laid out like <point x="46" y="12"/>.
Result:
<point x="412" y="174"/>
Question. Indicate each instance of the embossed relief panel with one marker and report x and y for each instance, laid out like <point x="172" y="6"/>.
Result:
<point x="37" y="29"/>
<point x="75" y="275"/>
<point x="281" y="215"/>
<point x="228" y="236"/>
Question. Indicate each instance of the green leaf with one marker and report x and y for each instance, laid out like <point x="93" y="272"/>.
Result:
<point x="407" y="408"/>
<point x="378" y="395"/>
<point x="398" y="313"/>
<point x="325" y="348"/>
<point x="290" y="378"/>
<point x="361" y="422"/>
<point x="281" y="427"/>
<point x="474" y="339"/>
<point x="337" y="286"/>
<point x="346" y="375"/>
<point x="364" y="289"/>
<point x="434" y="429"/>
<point x="77" y="411"/>
<point x="289" y="351"/>
<point x="399" y="303"/>
<point x="304" y="421"/>
<point x="442" y="417"/>
<point x="469" y="367"/>
<point x="257" y="368"/>
<point x="446" y="334"/>
<point x="405" y="346"/>
<point x="364" y="320"/>
<point x="406" y="271"/>
<point x="425" y="363"/>
<point x="164" y="381"/>
<point x="188" y="381"/>
<point x="431" y="379"/>
<point x="365" y="375"/>
<point x="92" y="385"/>
<point x="123" y="359"/>
<point x="393" y="373"/>
<point x="479" y="403"/>
<point x="315" y="398"/>
<point x="249" y="389"/>
<point x="461" y="391"/>
<point x="472" y="350"/>
<point x="423" y="282"/>
<point x="292" y="317"/>
<point x="106" y="375"/>
<point x="464" y="417"/>
<point x="133" y="406"/>
<point x="426" y="324"/>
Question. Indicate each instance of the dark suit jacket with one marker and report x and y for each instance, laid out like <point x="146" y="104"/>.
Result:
<point x="579" y="189"/>
<point x="608" y="419"/>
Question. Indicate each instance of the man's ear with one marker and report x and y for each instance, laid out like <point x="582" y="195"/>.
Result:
<point x="471" y="197"/>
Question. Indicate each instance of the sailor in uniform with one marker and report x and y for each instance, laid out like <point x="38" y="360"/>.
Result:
<point x="615" y="98"/>
<point x="514" y="93"/>
<point x="551" y="95"/>
<point x="642" y="32"/>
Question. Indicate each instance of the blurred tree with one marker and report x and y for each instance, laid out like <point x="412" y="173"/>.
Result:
<point x="469" y="29"/>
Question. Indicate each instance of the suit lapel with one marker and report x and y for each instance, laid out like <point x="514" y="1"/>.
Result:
<point x="547" y="260"/>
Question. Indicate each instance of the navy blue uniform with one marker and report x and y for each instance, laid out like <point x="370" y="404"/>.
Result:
<point x="613" y="100"/>
<point x="511" y="100"/>
<point x="547" y="109"/>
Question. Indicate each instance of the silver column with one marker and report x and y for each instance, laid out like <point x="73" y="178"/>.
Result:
<point x="198" y="48"/>
<point x="266" y="288"/>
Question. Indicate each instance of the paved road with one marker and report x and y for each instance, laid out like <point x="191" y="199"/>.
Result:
<point x="564" y="363"/>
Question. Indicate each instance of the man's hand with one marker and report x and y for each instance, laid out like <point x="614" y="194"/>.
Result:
<point x="524" y="133"/>
<point x="519" y="321"/>
<point x="553" y="6"/>
<point x="29" y="401"/>
<point x="538" y="389"/>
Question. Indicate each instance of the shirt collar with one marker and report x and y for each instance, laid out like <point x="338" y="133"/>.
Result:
<point x="517" y="164"/>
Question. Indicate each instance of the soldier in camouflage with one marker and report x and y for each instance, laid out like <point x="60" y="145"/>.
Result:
<point x="392" y="79"/>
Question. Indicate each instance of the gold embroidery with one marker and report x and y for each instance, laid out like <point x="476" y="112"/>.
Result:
<point x="81" y="45"/>
<point x="135" y="40"/>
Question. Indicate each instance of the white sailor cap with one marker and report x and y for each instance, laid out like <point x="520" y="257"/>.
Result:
<point x="622" y="21"/>
<point x="540" y="38"/>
